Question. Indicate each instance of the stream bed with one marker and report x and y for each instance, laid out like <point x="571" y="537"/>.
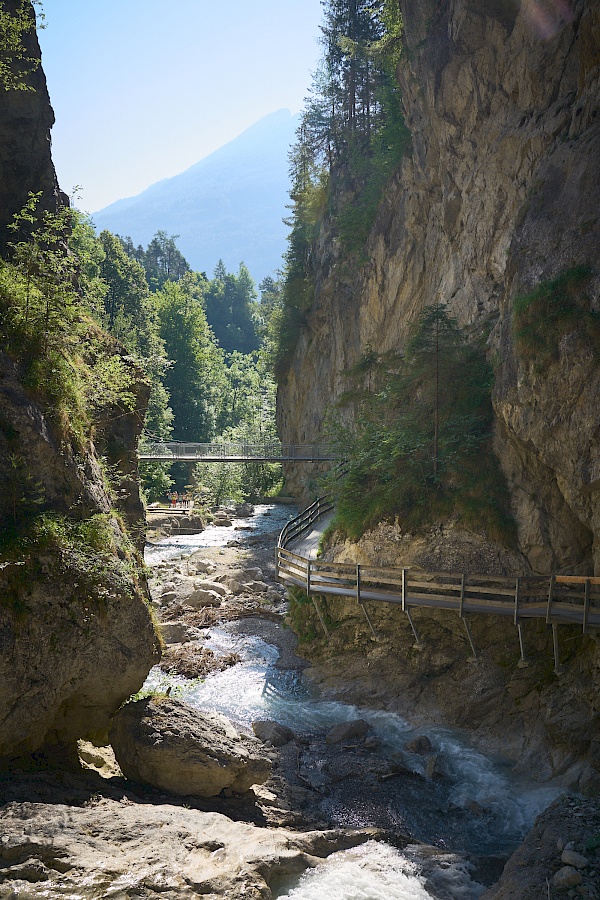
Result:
<point x="467" y="806"/>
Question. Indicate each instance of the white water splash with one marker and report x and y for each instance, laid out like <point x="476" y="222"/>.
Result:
<point x="369" y="872"/>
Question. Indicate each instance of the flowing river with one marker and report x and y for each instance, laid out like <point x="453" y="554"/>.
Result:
<point x="477" y="810"/>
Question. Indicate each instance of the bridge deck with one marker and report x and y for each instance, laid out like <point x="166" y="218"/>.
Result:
<point x="172" y="451"/>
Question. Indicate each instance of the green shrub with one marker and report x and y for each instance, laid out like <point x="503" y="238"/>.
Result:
<point x="553" y="309"/>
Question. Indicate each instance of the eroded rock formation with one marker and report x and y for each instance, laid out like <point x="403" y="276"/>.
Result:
<point x="498" y="193"/>
<point x="168" y="744"/>
<point x="75" y="629"/>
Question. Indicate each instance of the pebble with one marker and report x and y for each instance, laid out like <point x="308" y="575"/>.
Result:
<point x="571" y="858"/>
<point x="567" y="877"/>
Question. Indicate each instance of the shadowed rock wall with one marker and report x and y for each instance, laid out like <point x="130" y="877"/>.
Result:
<point x="499" y="192"/>
<point x="26" y="166"/>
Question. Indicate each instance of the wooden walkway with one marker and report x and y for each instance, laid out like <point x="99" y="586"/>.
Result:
<point x="556" y="599"/>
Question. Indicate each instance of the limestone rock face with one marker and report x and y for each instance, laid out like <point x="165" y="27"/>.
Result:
<point x="26" y="118"/>
<point x="170" y="852"/>
<point x="172" y="746"/>
<point x="498" y="193"/>
<point x="73" y="647"/>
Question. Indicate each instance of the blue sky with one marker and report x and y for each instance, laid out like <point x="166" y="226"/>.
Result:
<point x="143" y="89"/>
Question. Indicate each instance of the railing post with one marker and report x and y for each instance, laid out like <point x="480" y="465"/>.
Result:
<point x="403" y="590"/>
<point x="468" y="630"/>
<point x="462" y="595"/>
<point x="550" y="598"/>
<point x="558" y="669"/>
<point x="308" y="577"/>
<point x="523" y="662"/>
<point x="586" y="604"/>
<point x="517" y="598"/>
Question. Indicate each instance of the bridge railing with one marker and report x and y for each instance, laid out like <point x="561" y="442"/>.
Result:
<point x="235" y="451"/>
<point x="555" y="598"/>
<point x="551" y="598"/>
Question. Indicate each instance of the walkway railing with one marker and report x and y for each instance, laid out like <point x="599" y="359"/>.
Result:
<point x="172" y="451"/>
<point x="557" y="599"/>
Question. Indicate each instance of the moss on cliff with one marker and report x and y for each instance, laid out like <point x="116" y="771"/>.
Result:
<point x="554" y="308"/>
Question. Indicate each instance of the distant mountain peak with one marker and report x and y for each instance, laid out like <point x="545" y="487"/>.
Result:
<point x="229" y="205"/>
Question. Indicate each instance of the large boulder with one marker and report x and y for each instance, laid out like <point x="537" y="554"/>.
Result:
<point x="347" y="731"/>
<point x="76" y="640"/>
<point x="272" y="732"/>
<point x="168" y="744"/>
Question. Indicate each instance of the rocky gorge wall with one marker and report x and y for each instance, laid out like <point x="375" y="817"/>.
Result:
<point x="26" y="118"/>
<point x="498" y="194"/>
<point x="76" y="634"/>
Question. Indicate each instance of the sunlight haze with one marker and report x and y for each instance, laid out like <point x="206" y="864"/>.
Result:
<point x="143" y="90"/>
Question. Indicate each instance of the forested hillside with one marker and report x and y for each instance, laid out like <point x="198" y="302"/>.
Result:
<point x="201" y="342"/>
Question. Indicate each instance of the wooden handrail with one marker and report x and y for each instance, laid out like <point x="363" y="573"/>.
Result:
<point x="553" y="598"/>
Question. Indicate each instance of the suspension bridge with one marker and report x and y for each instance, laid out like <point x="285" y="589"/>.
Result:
<point x="235" y="452"/>
<point x="554" y="599"/>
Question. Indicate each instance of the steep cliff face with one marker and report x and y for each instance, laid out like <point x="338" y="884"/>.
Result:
<point x="497" y="199"/>
<point x="26" y="118"/>
<point x="76" y="635"/>
<point x="498" y="194"/>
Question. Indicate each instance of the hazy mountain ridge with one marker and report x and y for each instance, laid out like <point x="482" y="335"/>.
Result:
<point x="228" y="206"/>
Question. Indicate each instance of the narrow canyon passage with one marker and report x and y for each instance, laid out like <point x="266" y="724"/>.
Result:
<point x="428" y="783"/>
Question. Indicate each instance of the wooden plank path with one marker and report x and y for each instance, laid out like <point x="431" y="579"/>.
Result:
<point x="174" y="451"/>
<point x="556" y="599"/>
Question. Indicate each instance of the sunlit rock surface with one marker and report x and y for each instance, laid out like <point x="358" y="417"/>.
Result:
<point x="498" y="193"/>
<point x="168" y="744"/>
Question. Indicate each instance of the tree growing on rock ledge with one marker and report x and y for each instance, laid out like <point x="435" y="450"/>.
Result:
<point x="419" y="446"/>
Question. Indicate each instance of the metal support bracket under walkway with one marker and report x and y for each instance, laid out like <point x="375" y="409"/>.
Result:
<point x="555" y="599"/>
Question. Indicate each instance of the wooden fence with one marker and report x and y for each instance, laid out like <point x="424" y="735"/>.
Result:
<point x="556" y="599"/>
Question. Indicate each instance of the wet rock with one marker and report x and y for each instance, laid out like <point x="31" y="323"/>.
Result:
<point x="420" y="745"/>
<point x="167" y="744"/>
<point x="222" y="522"/>
<point x="202" y="597"/>
<point x="174" y="632"/>
<point x="244" y="510"/>
<point x="347" y="731"/>
<point x="272" y="733"/>
<point x="567" y="877"/>
<point x="433" y="767"/>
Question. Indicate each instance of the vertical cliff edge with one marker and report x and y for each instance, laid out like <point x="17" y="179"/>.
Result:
<point x="495" y="208"/>
<point x="76" y="634"/>
<point x="498" y="196"/>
